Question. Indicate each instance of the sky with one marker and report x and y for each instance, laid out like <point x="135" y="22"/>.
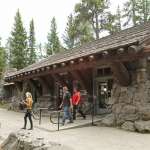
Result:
<point x="42" y="11"/>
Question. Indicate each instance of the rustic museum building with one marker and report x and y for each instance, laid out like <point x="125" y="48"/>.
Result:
<point x="114" y="71"/>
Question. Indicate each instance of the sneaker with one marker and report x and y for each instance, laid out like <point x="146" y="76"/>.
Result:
<point x="23" y="128"/>
<point x="30" y="129"/>
<point x="84" y="117"/>
<point x="71" y="121"/>
<point x="62" y="123"/>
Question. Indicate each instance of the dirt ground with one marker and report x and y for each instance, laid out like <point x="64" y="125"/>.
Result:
<point x="85" y="138"/>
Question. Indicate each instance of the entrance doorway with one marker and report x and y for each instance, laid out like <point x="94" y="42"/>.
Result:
<point x="104" y="83"/>
<point x="103" y="94"/>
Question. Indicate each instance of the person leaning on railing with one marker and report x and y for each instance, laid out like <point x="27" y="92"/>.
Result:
<point x="28" y="103"/>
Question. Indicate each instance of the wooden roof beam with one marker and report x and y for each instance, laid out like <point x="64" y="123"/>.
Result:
<point x="134" y="49"/>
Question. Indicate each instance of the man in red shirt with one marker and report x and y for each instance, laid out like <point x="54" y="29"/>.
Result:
<point x="76" y="101"/>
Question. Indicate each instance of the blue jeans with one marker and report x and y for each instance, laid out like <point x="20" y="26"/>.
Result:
<point x="67" y="114"/>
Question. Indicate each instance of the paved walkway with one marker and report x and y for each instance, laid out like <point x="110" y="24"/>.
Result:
<point x="86" y="138"/>
<point x="78" y="123"/>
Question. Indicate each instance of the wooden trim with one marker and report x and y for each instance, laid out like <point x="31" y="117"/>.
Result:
<point x="86" y="64"/>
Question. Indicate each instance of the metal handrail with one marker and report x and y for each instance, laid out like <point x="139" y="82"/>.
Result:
<point x="58" y="118"/>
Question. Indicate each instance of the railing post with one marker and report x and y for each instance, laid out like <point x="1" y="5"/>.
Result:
<point x="40" y="116"/>
<point x="93" y="110"/>
<point x="58" y="119"/>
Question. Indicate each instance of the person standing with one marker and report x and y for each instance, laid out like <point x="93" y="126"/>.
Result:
<point x="28" y="103"/>
<point x="76" y="98"/>
<point x="67" y="105"/>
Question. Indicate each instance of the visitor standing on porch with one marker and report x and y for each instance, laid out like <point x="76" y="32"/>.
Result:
<point x="67" y="105"/>
<point x="76" y="99"/>
<point x="28" y="103"/>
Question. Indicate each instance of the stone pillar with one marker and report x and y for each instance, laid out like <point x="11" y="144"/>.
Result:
<point x="131" y="104"/>
<point x="141" y="71"/>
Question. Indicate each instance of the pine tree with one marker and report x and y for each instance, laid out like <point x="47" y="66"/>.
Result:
<point x="137" y="11"/>
<point x="118" y="19"/>
<point x="31" y="47"/>
<point x="84" y="32"/>
<point x="77" y="32"/>
<point x="93" y="11"/>
<point x="70" y="33"/>
<point x="41" y="52"/>
<point x="8" y="52"/>
<point x="2" y="58"/>
<point x="130" y="12"/>
<point x="53" y="45"/>
<point x="18" y="44"/>
<point x="143" y="10"/>
<point x="113" y="22"/>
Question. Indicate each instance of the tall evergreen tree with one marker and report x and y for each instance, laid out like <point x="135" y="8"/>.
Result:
<point x="70" y="33"/>
<point x="130" y="12"/>
<point x="118" y="19"/>
<point x="93" y="11"/>
<point x="143" y="10"/>
<point x="31" y="47"/>
<point x="77" y="32"/>
<point x="2" y="58"/>
<point x="137" y="11"/>
<point x="41" y="52"/>
<point x="84" y="32"/>
<point x="53" y="45"/>
<point x="18" y="44"/>
<point x="113" y="22"/>
<point x="8" y="52"/>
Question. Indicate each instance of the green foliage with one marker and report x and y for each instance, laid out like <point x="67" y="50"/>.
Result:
<point x="31" y="46"/>
<point x="137" y="11"/>
<point x="53" y="45"/>
<point x="2" y="59"/>
<point x="113" y="22"/>
<point x="77" y="32"/>
<point x="18" y="44"/>
<point x="93" y="11"/>
<point x="84" y="32"/>
<point x="143" y="10"/>
<point x="70" y="33"/>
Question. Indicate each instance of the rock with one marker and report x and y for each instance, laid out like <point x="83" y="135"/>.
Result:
<point x="129" y="117"/>
<point x="142" y="126"/>
<point x="25" y="141"/>
<point x="144" y="113"/>
<point x="109" y="120"/>
<point x="117" y="108"/>
<point x="128" y="126"/>
<point x="128" y="109"/>
<point x="122" y="118"/>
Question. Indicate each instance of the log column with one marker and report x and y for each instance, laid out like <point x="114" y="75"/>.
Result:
<point x="141" y="71"/>
<point x="45" y="87"/>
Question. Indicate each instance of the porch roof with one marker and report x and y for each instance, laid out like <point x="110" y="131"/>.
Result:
<point x="135" y="35"/>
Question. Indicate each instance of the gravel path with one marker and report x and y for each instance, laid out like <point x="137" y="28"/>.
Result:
<point x="87" y="138"/>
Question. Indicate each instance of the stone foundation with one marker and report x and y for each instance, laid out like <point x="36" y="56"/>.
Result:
<point x="130" y="107"/>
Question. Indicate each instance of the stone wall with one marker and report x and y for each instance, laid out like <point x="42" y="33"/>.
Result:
<point x="131" y="104"/>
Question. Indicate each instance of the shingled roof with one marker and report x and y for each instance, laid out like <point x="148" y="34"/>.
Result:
<point x="128" y="36"/>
